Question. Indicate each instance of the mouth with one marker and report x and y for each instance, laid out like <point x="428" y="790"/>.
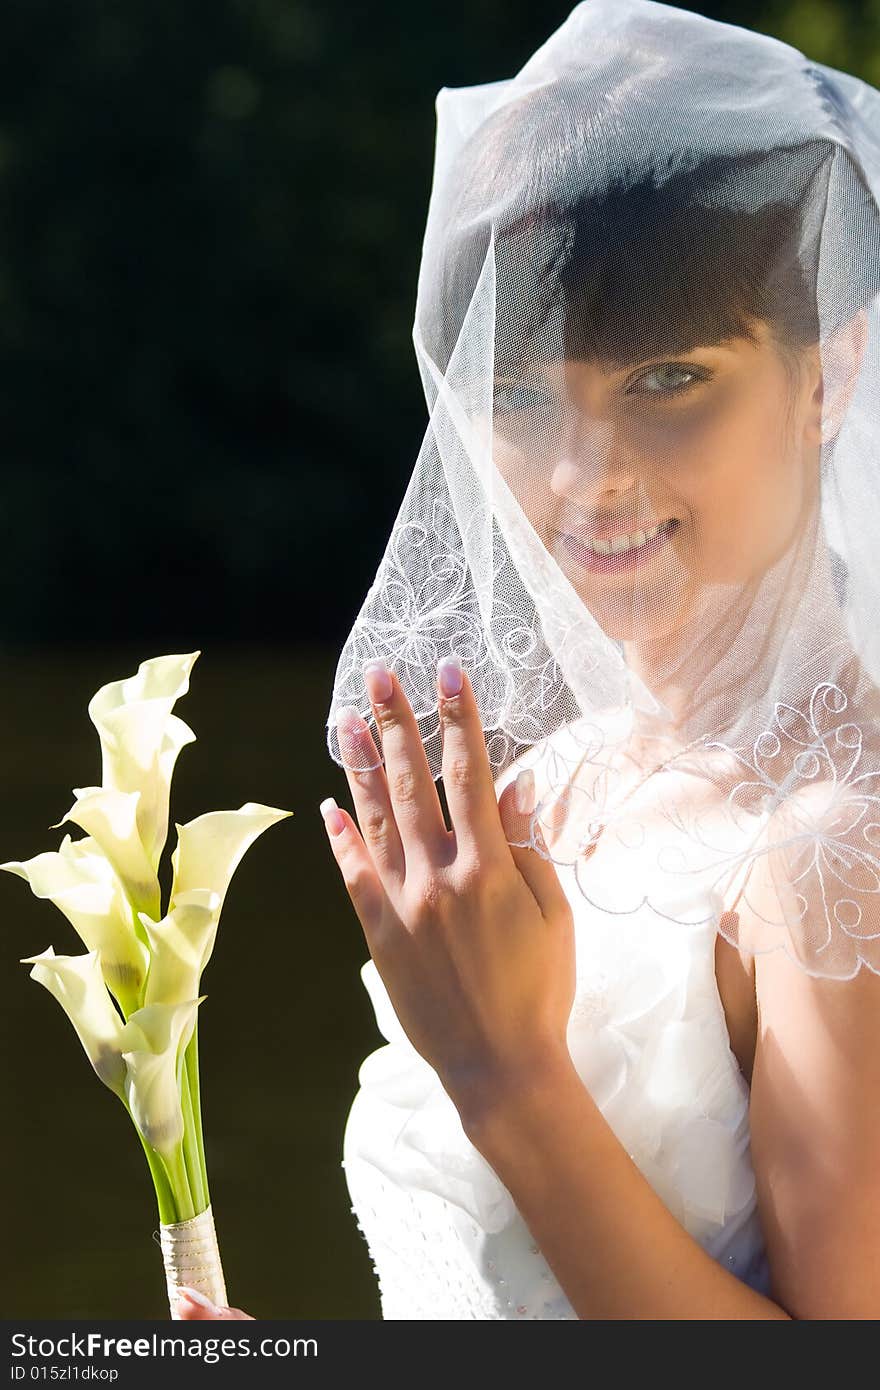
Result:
<point x="630" y="551"/>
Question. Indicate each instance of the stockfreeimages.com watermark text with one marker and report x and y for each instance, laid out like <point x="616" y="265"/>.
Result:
<point x="95" y="1345"/>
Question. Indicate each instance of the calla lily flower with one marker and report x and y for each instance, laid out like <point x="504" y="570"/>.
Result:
<point x="78" y="985"/>
<point x="110" y="818"/>
<point x="154" y="1040"/>
<point x="107" y="885"/>
<point x="208" y="851"/>
<point x="210" y="848"/>
<point x="141" y="738"/>
<point x="80" y="881"/>
<point x="180" y="946"/>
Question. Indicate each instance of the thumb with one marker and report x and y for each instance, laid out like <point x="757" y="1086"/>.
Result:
<point x="193" y="1306"/>
<point x="522" y="831"/>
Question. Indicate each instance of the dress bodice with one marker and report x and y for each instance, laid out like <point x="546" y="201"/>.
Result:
<point x="648" y="1036"/>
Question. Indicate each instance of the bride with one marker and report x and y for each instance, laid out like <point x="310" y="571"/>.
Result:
<point x="630" y="994"/>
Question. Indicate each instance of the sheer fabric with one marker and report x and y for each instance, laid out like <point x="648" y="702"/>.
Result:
<point x="644" y="514"/>
<point x="655" y="186"/>
<point x="649" y="1039"/>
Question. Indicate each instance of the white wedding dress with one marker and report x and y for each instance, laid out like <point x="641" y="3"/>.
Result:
<point x="649" y="1038"/>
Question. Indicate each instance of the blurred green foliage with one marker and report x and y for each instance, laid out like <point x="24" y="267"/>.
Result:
<point x="211" y="218"/>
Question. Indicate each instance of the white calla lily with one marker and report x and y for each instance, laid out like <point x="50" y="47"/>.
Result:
<point x="110" y="818"/>
<point x="153" y="1043"/>
<point x="78" y="985"/>
<point x="180" y="946"/>
<point x="81" y="883"/>
<point x="107" y="886"/>
<point x="210" y="848"/>
<point x="141" y="738"/>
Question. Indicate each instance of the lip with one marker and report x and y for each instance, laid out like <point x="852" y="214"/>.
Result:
<point x="616" y="563"/>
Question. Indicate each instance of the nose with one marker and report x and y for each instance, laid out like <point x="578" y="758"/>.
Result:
<point x="594" y="472"/>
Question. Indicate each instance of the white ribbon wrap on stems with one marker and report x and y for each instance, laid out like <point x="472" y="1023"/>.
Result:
<point x="192" y="1257"/>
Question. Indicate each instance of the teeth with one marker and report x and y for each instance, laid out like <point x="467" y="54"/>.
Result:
<point x="623" y="543"/>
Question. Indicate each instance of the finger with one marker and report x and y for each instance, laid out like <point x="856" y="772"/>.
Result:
<point x="467" y="774"/>
<point x="359" y="875"/>
<point x="193" y="1306"/>
<point x="408" y="792"/>
<point x="366" y="782"/>
<point x="516" y="804"/>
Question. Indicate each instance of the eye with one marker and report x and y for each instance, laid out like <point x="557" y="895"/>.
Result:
<point x="511" y="397"/>
<point x="672" y="387"/>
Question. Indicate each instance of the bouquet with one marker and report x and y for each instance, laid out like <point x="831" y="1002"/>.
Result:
<point x="133" y="995"/>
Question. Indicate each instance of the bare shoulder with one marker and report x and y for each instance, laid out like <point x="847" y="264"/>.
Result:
<point x="812" y="911"/>
<point x="817" y="871"/>
<point x="811" y="884"/>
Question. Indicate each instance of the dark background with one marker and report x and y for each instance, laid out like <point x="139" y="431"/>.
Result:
<point x="211" y="218"/>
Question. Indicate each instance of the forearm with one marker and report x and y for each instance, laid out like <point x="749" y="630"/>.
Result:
<point x="615" y="1248"/>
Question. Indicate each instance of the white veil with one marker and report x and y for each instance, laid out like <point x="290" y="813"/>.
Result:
<point x="656" y="191"/>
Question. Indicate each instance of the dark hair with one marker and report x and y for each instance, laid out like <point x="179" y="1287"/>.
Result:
<point x="674" y="251"/>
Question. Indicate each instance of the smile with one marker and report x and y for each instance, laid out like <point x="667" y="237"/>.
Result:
<point x="622" y="552"/>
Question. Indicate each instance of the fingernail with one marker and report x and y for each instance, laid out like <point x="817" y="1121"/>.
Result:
<point x="194" y="1296"/>
<point x="333" y="817"/>
<point x="524" y="791"/>
<point x="349" y="720"/>
<point x="377" y="679"/>
<point x="449" y="674"/>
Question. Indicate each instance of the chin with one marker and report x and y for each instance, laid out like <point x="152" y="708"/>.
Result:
<point x="664" y="620"/>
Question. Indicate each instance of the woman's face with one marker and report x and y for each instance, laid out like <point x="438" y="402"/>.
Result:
<point x="719" y="443"/>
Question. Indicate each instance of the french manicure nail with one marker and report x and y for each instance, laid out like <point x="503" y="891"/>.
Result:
<point x="194" y="1296"/>
<point x="524" y="791"/>
<point x="333" y="817"/>
<point x="449" y="674"/>
<point x="349" y="720"/>
<point x="377" y="679"/>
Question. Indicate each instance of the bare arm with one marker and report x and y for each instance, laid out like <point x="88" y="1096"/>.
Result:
<point x="816" y="1138"/>
<point x="815" y="1145"/>
<point x="616" y="1250"/>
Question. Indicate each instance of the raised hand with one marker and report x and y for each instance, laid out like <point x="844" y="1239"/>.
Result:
<point x="472" y="936"/>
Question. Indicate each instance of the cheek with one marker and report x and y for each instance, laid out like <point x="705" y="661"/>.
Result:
<point x="527" y="481"/>
<point x="736" y="470"/>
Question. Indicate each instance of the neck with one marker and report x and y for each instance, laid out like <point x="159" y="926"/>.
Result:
<point x="727" y="667"/>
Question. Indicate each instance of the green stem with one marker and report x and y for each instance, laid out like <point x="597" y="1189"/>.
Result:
<point x="191" y="1064"/>
<point x="190" y="1144"/>
<point x="175" y="1169"/>
<point x="164" y="1196"/>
